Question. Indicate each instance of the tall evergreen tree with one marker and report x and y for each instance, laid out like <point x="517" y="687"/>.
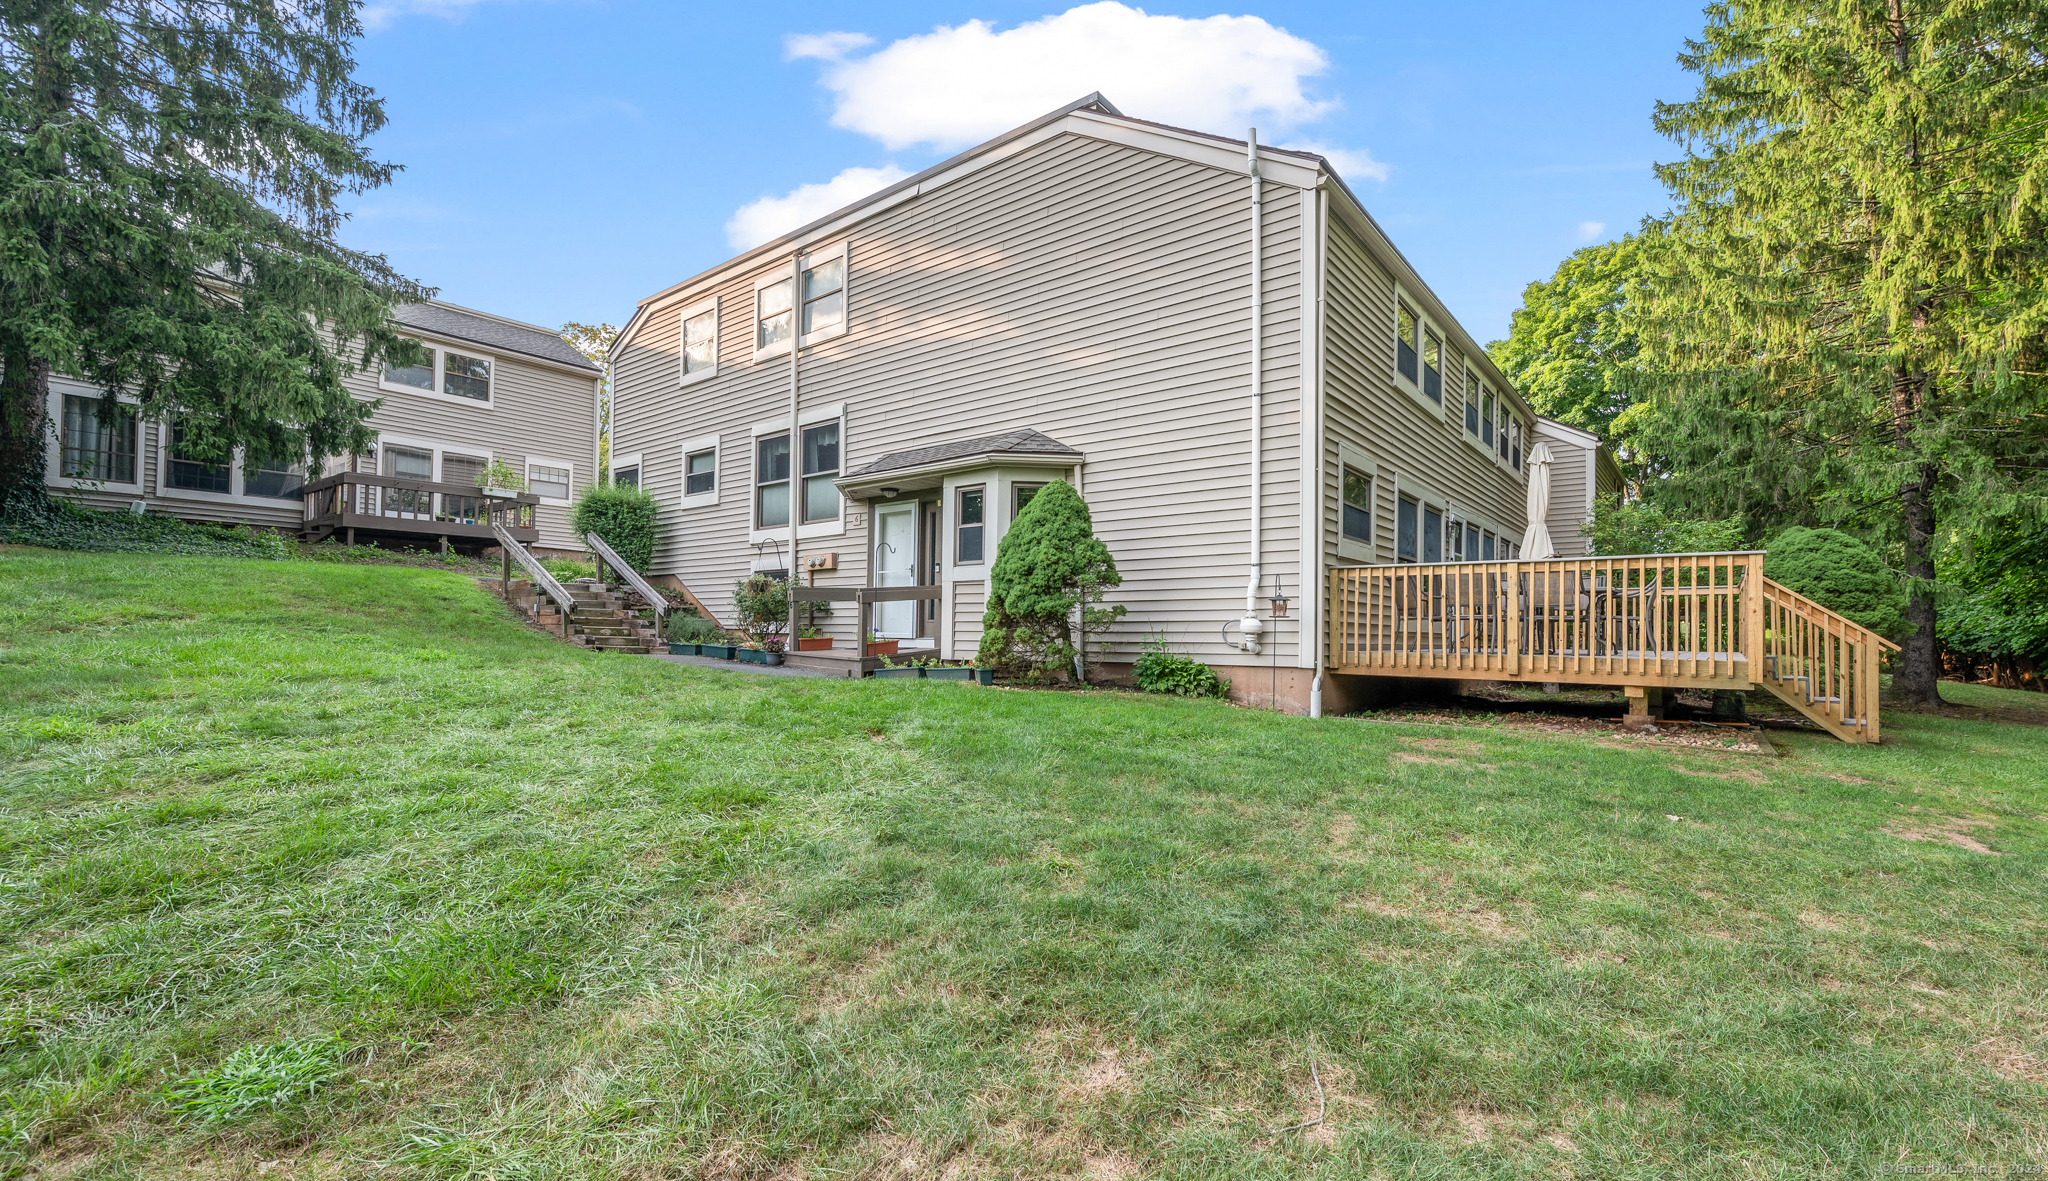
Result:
<point x="168" y="177"/>
<point x="1855" y="281"/>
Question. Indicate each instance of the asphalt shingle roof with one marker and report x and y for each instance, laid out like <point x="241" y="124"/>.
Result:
<point x="446" y="321"/>
<point x="1023" y="441"/>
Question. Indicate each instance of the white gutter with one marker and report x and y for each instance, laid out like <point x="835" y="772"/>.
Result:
<point x="1316" y="586"/>
<point x="1251" y="627"/>
<point x="796" y="457"/>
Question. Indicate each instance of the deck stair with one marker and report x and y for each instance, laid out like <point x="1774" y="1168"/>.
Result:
<point x="603" y="621"/>
<point x="1644" y="622"/>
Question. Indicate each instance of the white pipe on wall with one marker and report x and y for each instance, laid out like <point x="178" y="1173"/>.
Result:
<point x="1252" y="627"/>
<point x="796" y="455"/>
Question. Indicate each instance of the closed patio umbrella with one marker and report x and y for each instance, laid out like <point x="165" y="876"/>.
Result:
<point x="1536" y="539"/>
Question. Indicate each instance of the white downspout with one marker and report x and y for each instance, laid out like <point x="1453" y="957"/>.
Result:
<point x="1251" y="627"/>
<point x="796" y="437"/>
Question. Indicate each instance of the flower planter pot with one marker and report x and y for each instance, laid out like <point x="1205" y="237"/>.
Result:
<point x="818" y="645"/>
<point x="949" y="674"/>
<point x="675" y="649"/>
<point x="986" y="676"/>
<point x="720" y="651"/>
<point x="882" y="648"/>
<point x="890" y="674"/>
<point x="758" y="656"/>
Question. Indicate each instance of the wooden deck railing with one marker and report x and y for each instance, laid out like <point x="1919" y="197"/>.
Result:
<point x="1670" y="620"/>
<point x="365" y="500"/>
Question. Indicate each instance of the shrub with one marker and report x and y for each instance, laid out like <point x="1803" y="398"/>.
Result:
<point x="685" y="626"/>
<point x="1049" y="565"/>
<point x="1994" y="601"/>
<point x="565" y="569"/>
<point x="60" y="524"/>
<point x="1160" y="671"/>
<point x="1841" y="573"/>
<point x="623" y="516"/>
<point x="761" y="605"/>
<point x="1620" y="526"/>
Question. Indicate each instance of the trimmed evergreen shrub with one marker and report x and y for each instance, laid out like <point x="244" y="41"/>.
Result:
<point x="685" y="626"/>
<point x="761" y="605"/>
<point x="1160" y="671"/>
<point x="623" y="516"/>
<point x="1048" y="565"/>
<point x="1620" y="526"/>
<point x="1840" y="573"/>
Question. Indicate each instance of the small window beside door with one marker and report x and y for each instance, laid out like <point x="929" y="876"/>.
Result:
<point x="967" y="543"/>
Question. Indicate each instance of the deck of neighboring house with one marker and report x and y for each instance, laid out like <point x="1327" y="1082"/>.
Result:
<point x="1646" y="623"/>
<point x="369" y="506"/>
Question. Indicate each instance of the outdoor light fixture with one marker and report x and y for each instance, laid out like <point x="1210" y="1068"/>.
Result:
<point x="891" y="492"/>
<point x="1278" y="600"/>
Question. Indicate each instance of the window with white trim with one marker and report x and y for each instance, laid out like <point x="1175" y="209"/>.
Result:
<point x="771" y="481"/>
<point x="824" y="293"/>
<point x="273" y="477"/>
<point x="548" y="481"/>
<point x="772" y="316"/>
<point x="1432" y="533"/>
<point x="1433" y="366"/>
<point x="700" y="341"/>
<point x="1407" y="338"/>
<point x="1472" y="396"/>
<point x="189" y="472"/>
<point x="464" y="376"/>
<point x="821" y="468"/>
<point x="1500" y="428"/>
<point x="1516" y="460"/>
<point x="972" y="528"/>
<point x="98" y="443"/>
<point x="1407" y="528"/>
<point x="700" y="472"/>
<point x="418" y="377"/>
<point x="446" y="373"/>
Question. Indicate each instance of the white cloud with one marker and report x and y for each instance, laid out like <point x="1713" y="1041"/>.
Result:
<point x="1353" y="164"/>
<point x="382" y="14"/>
<point x="1591" y="230"/>
<point x="958" y="85"/>
<point x="771" y="217"/>
<point x="824" y="46"/>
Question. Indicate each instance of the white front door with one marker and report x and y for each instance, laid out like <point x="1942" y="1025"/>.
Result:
<point x="896" y="565"/>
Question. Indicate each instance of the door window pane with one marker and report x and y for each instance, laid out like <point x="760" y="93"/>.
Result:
<point x="1432" y="535"/>
<point x="1405" y="528"/>
<point x="772" y="314"/>
<point x="95" y="448"/>
<point x="195" y="475"/>
<point x="771" y="479"/>
<point x="1357" y="515"/>
<point x="466" y="377"/>
<point x="1486" y="548"/>
<point x="466" y="471"/>
<point x="968" y="547"/>
<point x="548" y="481"/>
<point x="700" y="342"/>
<point x="408" y="464"/>
<point x="700" y="473"/>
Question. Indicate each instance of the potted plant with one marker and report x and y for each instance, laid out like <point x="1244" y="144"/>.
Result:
<point x="879" y="647"/>
<point x="722" y="649"/>
<point x="689" y="632"/>
<point x="810" y="639"/>
<point x="949" y="672"/>
<point x="891" y="670"/>
<point x="766" y="651"/>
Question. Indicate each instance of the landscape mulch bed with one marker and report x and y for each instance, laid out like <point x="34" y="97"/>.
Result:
<point x="1569" y="719"/>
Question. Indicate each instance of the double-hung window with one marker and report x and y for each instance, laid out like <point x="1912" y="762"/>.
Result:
<point x="1500" y="429"/>
<point x="821" y="467"/>
<point x="772" y="316"/>
<point x="824" y="294"/>
<point x="1515" y="459"/>
<point x="967" y="540"/>
<point x="700" y="341"/>
<point x="1407" y="527"/>
<point x="1486" y="418"/>
<point x="771" y="481"/>
<point x="1433" y="366"/>
<point x="98" y="440"/>
<point x="1472" y="396"/>
<point x="811" y="306"/>
<point x="546" y="480"/>
<point x="275" y="478"/>
<point x="700" y="472"/>
<point x="1407" y="332"/>
<point x="1357" y="511"/>
<point x="190" y="472"/>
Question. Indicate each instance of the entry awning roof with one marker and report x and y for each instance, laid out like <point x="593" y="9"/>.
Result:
<point x="927" y="467"/>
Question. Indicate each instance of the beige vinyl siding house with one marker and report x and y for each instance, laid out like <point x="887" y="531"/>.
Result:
<point x="1581" y="471"/>
<point x="1072" y="299"/>
<point x="527" y="397"/>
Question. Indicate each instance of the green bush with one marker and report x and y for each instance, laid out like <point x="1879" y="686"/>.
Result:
<point x="685" y="626"/>
<point x="60" y="524"/>
<point x="761" y="605"/>
<point x="1840" y="573"/>
<point x="1994" y="600"/>
<point x="1048" y="565"/>
<point x="565" y="569"/>
<point x="1160" y="671"/>
<point x="623" y="516"/>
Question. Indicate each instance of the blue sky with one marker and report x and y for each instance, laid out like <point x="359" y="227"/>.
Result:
<point x="564" y="158"/>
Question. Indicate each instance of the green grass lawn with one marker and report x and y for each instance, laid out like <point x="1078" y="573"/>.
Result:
<point x="338" y="871"/>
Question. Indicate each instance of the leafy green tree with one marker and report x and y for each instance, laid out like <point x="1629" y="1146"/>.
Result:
<point x="1994" y="606"/>
<point x="168" y="177"/>
<point x="1853" y="286"/>
<point x="1643" y="527"/>
<point x="1047" y="585"/>
<point x="1840" y="573"/>
<point x="595" y="342"/>
<point x="1572" y="348"/>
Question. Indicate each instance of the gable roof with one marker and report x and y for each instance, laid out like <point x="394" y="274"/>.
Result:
<point x="458" y="323"/>
<point x="1022" y="441"/>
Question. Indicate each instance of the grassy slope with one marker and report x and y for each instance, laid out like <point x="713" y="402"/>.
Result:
<point x="588" y="916"/>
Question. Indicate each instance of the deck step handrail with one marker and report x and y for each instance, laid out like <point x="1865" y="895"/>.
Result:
<point x="534" y="570"/>
<point x="1701" y="620"/>
<point x="646" y="590"/>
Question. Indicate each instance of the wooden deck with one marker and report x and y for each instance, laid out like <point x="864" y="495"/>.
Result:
<point x="394" y="506"/>
<point x="1652" y="622"/>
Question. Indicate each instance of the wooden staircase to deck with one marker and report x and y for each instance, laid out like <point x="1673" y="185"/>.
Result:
<point x="1663" y="621"/>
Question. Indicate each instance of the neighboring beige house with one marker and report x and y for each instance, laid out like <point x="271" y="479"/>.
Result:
<point x="495" y="389"/>
<point x="1581" y="472"/>
<point x="1075" y="299"/>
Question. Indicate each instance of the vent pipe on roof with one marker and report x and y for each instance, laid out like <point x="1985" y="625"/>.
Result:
<point x="1251" y="627"/>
